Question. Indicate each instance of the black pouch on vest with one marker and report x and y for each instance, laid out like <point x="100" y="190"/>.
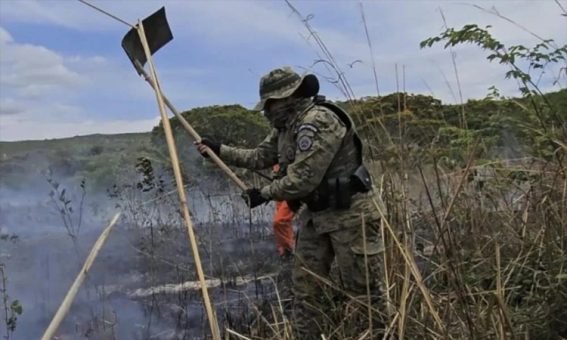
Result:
<point x="339" y="192"/>
<point x="320" y="199"/>
<point x="360" y="180"/>
<point x="343" y="193"/>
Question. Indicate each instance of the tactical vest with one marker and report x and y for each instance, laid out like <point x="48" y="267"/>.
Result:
<point x="346" y="174"/>
<point x="349" y="156"/>
<point x="347" y="159"/>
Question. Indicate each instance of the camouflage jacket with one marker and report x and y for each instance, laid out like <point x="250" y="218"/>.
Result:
<point x="313" y="146"/>
<point x="305" y="150"/>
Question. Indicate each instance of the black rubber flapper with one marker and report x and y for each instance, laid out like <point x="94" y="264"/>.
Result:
<point x="157" y="32"/>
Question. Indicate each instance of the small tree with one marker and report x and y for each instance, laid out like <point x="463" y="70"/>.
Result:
<point x="546" y="124"/>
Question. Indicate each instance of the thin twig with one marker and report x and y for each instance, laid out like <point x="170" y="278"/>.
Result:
<point x="370" y="48"/>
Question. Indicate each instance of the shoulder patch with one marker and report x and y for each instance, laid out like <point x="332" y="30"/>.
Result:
<point x="304" y="143"/>
<point x="309" y="127"/>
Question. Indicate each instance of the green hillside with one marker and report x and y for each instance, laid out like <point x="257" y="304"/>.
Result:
<point x="423" y="123"/>
<point x="97" y="158"/>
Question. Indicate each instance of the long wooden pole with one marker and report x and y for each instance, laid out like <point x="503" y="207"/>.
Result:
<point x="192" y="131"/>
<point x="68" y="300"/>
<point x="179" y="181"/>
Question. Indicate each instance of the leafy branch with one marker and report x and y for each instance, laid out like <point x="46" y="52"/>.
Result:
<point x="551" y="122"/>
<point x="12" y="309"/>
<point x="64" y="206"/>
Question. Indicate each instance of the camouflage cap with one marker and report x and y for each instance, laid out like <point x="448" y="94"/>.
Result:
<point x="283" y="82"/>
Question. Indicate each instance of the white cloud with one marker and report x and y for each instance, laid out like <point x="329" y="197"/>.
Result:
<point x="9" y="106"/>
<point x="69" y="14"/>
<point x="5" y="37"/>
<point x="229" y="22"/>
<point x="396" y="31"/>
<point x="220" y="20"/>
<point x="94" y="60"/>
<point x="29" y="70"/>
<point x="45" y="94"/>
<point x="35" y="83"/>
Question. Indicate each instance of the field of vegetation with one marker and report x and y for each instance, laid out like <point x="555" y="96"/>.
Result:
<point x="474" y="219"/>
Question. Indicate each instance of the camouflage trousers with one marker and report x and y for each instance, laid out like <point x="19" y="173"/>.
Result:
<point x="358" y="272"/>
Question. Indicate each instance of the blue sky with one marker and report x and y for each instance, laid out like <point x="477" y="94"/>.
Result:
<point x="63" y="72"/>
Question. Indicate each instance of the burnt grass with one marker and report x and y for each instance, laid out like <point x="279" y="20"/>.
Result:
<point x="251" y="258"/>
<point x="110" y="305"/>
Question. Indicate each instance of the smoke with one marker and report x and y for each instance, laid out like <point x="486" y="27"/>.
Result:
<point x="147" y="248"/>
<point x="57" y="202"/>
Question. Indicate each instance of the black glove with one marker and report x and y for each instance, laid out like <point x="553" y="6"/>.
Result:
<point x="253" y="197"/>
<point x="212" y="145"/>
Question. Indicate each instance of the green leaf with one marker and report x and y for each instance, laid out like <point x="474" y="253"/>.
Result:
<point x="16" y="307"/>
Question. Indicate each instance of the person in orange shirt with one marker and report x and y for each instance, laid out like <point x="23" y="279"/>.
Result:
<point x="283" y="227"/>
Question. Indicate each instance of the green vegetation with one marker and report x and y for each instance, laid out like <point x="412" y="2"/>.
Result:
<point x="486" y="224"/>
<point x="544" y="120"/>
<point x="11" y="309"/>
<point x="427" y="127"/>
<point x="476" y="190"/>
<point x="474" y="194"/>
<point x="228" y="124"/>
<point x="501" y="125"/>
<point x="100" y="159"/>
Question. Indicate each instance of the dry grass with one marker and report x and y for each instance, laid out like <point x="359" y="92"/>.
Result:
<point x="473" y="252"/>
<point x="476" y="253"/>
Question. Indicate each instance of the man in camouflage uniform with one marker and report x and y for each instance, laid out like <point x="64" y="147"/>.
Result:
<point x="320" y="156"/>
